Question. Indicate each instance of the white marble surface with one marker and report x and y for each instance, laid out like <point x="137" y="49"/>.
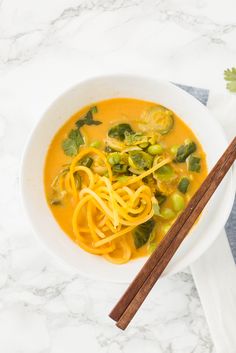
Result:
<point x="45" y="47"/>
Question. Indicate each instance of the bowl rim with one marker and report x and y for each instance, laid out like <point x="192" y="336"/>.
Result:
<point x="207" y="243"/>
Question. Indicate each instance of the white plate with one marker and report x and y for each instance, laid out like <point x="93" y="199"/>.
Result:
<point x="197" y="117"/>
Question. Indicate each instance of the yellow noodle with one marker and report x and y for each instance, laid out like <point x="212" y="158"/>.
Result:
<point x="98" y="199"/>
<point x="100" y="233"/>
<point x="91" y="225"/>
<point x="102" y="221"/>
<point x="79" y="239"/>
<point x="142" y="220"/>
<point x="89" y="174"/>
<point x="113" y="202"/>
<point x="79" y="156"/>
<point x="113" y="236"/>
<point x="95" y="251"/>
<point x="128" y="190"/>
<point x="111" y="227"/>
<point x="112" y="209"/>
<point x="75" y="217"/>
<point x="138" y="192"/>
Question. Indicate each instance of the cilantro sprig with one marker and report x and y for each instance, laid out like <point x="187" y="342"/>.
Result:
<point x="72" y="144"/>
<point x="75" y="139"/>
<point x="87" y="119"/>
<point x="230" y="77"/>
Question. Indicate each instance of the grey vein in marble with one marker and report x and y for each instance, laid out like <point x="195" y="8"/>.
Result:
<point x="159" y="11"/>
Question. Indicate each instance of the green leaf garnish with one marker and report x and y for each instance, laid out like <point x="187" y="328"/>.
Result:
<point x="94" y="109"/>
<point x="72" y="143"/>
<point x="87" y="119"/>
<point x="70" y="148"/>
<point x="230" y="76"/>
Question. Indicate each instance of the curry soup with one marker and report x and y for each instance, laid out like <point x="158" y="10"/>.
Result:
<point x="118" y="174"/>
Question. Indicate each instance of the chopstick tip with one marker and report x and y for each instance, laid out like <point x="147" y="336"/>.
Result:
<point x="120" y="326"/>
<point x="111" y="316"/>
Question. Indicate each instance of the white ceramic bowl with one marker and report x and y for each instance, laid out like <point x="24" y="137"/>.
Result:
<point x="188" y="108"/>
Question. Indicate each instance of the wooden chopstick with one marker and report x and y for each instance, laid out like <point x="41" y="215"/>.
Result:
<point x="151" y="262"/>
<point x="151" y="271"/>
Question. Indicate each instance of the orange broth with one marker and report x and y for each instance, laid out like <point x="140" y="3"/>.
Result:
<point x="111" y="112"/>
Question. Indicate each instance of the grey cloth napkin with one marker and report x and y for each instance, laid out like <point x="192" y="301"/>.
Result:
<point x="230" y="227"/>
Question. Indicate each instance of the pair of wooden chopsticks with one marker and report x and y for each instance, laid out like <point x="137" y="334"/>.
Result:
<point x="138" y="290"/>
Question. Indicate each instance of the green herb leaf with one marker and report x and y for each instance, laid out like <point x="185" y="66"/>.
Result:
<point x="142" y="233"/>
<point x="183" y="185"/>
<point x="194" y="164"/>
<point x="87" y="119"/>
<point x="72" y="143"/>
<point x="184" y="151"/>
<point x="70" y="147"/>
<point x="119" y="131"/>
<point x="230" y="76"/>
<point x="94" y="109"/>
<point x="76" y="136"/>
